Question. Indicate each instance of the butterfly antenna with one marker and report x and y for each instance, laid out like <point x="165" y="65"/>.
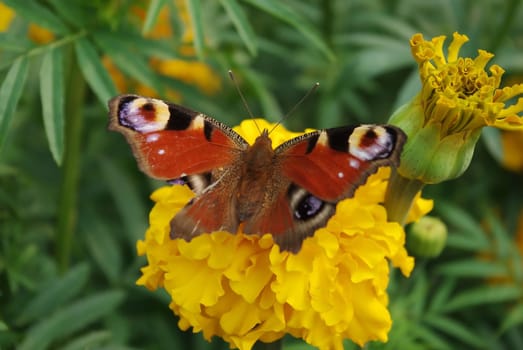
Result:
<point x="231" y="76"/>
<point x="311" y="90"/>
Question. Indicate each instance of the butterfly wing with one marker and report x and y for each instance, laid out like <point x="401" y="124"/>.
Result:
<point x="322" y="168"/>
<point x="171" y="142"/>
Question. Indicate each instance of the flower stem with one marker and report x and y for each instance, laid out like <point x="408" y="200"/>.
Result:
<point x="67" y="205"/>
<point x="400" y="196"/>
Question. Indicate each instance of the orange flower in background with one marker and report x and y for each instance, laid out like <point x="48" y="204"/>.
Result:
<point x="186" y="69"/>
<point x="243" y="289"/>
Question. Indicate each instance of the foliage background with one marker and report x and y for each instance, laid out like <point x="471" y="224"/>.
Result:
<point x="72" y="203"/>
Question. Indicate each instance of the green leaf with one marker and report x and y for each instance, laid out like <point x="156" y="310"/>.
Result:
<point x="53" y="101"/>
<point x="14" y="44"/>
<point x="456" y="329"/>
<point x="102" y="245"/>
<point x="71" y="319"/>
<point x="281" y="11"/>
<point x="36" y="13"/>
<point x="152" y="14"/>
<point x="128" y="200"/>
<point x="513" y="318"/>
<point x="92" y="340"/>
<point x="130" y="61"/>
<point x="55" y="295"/>
<point x="195" y="13"/>
<point x="473" y="268"/>
<point x="242" y="24"/>
<point x="10" y="93"/>
<point x="464" y="231"/>
<point x="93" y="71"/>
<point x="481" y="296"/>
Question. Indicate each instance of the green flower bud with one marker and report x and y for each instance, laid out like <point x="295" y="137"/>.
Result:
<point x="427" y="237"/>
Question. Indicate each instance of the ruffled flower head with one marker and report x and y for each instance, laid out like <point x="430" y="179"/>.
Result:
<point x="243" y="289"/>
<point x="458" y="98"/>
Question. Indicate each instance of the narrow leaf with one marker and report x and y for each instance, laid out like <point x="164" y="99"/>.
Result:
<point x="128" y="200"/>
<point x="59" y="292"/>
<point x="70" y="319"/>
<point x="152" y="14"/>
<point x="482" y="296"/>
<point x="102" y="245"/>
<point x="195" y="13"/>
<point x="242" y="24"/>
<point x="131" y="62"/>
<point x="453" y="328"/>
<point x="34" y="12"/>
<point x="284" y="13"/>
<point x="473" y="268"/>
<point x="10" y="93"/>
<point x="513" y="318"/>
<point x="94" y="72"/>
<point x="52" y="95"/>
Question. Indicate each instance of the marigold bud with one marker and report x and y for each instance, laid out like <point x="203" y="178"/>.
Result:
<point x="427" y="237"/>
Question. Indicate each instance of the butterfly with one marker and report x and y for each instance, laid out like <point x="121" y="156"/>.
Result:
<point x="289" y="191"/>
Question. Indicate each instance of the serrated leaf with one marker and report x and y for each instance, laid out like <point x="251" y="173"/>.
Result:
<point x="59" y="292"/>
<point x="195" y="13"/>
<point x="93" y="71"/>
<point x="36" y="13"/>
<point x="240" y="21"/>
<point x="284" y="13"/>
<point x="481" y="296"/>
<point x="151" y="16"/>
<point x="472" y="268"/>
<point x="53" y="101"/>
<point x="131" y="62"/>
<point x="10" y="93"/>
<point x="453" y="328"/>
<point x="70" y="319"/>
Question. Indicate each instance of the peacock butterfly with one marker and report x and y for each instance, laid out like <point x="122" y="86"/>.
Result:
<point x="289" y="191"/>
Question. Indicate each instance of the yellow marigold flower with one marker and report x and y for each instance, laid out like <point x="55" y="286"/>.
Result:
<point x="243" y="289"/>
<point x="6" y="17"/>
<point x="458" y="98"/>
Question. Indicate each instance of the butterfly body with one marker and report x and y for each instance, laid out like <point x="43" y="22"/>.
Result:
<point x="288" y="191"/>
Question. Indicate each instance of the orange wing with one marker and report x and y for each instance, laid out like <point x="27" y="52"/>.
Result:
<point x="170" y="141"/>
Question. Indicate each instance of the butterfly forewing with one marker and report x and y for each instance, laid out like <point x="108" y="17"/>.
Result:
<point x="170" y="141"/>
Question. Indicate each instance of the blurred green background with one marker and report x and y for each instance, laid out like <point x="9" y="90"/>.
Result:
<point x="73" y="203"/>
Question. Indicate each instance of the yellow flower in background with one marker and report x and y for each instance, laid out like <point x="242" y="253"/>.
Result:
<point x="186" y="69"/>
<point x="458" y="98"/>
<point x="6" y="17"/>
<point x="243" y="289"/>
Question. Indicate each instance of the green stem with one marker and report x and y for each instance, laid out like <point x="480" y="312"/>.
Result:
<point x="400" y="196"/>
<point x="67" y="205"/>
<point x="277" y="345"/>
